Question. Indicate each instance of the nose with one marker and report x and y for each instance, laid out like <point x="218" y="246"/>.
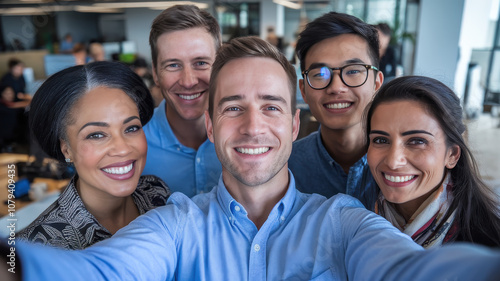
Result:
<point x="396" y="157"/>
<point x="120" y="146"/>
<point x="336" y="86"/>
<point x="188" y="78"/>
<point x="253" y="123"/>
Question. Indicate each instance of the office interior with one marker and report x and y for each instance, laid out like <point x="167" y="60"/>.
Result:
<point x="454" y="41"/>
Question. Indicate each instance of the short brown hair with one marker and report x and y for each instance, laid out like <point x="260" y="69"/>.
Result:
<point x="245" y="47"/>
<point x="180" y="17"/>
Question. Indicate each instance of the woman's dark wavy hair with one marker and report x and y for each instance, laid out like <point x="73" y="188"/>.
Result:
<point x="476" y="205"/>
<point x="50" y="109"/>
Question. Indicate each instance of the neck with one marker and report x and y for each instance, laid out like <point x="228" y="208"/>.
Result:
<point x="191" y="133"/>
<point x="345" y="146"/>
<point x="111" y="212"/>
<point x="258" y="200"/>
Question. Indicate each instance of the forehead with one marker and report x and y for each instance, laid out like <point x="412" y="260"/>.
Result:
<point x="252" y="77"/>
<point x="339" y="50"/>
<point x="186" y="44"/>
<point x="405" y="115"/>
<point x="103" y="100"/>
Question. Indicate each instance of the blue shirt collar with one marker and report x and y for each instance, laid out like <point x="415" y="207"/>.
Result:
<point x="228" y="203"/>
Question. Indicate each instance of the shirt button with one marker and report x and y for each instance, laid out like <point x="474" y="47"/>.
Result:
<point x="178" y="148"/>
<point x="237" y="208"/>
<point x="256" y="247"/>
<point x="282" y="218"/>
<point x="198" y="160"/>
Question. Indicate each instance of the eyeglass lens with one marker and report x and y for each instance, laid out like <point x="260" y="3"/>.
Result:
<point x="352" y="75"/>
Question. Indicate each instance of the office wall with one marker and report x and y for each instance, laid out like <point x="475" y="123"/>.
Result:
<point x="137" y="27"/>
<point x="437" y="40"/>
<point x="18" y="27"/>
<point x="82" y="26"/>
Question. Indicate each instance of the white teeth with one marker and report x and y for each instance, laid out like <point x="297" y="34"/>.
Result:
<point x="253" y="151"/>
<point x="338" y="105"/>
<point x="398" y="178"/>
<point x="119" y="170"/>
<point x="189" y="97"/>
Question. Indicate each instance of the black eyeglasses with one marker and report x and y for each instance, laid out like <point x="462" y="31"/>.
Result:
<point x="352" y="75"/>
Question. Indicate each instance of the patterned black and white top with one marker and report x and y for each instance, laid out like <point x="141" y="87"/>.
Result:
<point x="68" y="224"/>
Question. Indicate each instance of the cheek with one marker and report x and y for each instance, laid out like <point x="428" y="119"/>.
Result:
<point x="87" y="155"/>
<point x="374" y="156"/>
<point x="142" y="144"/>
<point x="205" y="76"/>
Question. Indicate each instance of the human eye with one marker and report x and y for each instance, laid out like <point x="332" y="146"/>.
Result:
<point x="202" y="65"/>
<point x="232" y="108"/>
<point x="320" y="73"/>
<point x="353" y="70"/>
<point x="95" y="136"/>
<point x="133" y="128"/>
<point x="380" y="140"/>
<point x="417" y="141"/>
<point x="172" y="67"/>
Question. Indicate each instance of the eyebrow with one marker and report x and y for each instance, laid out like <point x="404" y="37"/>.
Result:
<point x="349" y="61"/>
<point x="261" y="97"/>
<point x="413" y="132"/>
<point x="378" y="132"/>
<point x="104" y="124"/>
<point x="416" y="132"/>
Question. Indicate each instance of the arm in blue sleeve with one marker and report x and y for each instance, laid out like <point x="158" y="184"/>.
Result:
<point x="143" y="250"/>
<point x="376" y="250"/>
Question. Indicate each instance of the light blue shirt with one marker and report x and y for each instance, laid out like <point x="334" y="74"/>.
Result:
<point x="306" y="237"/>
<point x="182" y="168"/>
<point x="315" y="171"/>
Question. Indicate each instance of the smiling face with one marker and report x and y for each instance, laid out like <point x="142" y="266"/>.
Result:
<point x="106" y="143"/>
<point x="253" y="126"/>
<point x="339" y="107"/>
<point x="408" y="154"/>
<point x="182" y="71"/>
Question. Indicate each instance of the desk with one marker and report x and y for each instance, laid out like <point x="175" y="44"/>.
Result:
<point x="5" y="160"/>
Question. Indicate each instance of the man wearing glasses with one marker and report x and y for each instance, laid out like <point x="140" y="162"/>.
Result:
<point x="338" y="56"/>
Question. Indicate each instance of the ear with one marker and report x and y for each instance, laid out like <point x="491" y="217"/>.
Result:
<point x="155" y="77"/>
<point x="65" y="149"/>
<point x="209" y="127"/>
<point x="296" y="124"/>
<point x="379" y="80"/>
<point x="453" y="154"/>
<point x="302" y="89"/>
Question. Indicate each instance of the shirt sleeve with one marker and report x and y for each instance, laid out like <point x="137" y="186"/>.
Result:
<point x="375" y="250"/>
<point x="143" y="250"/>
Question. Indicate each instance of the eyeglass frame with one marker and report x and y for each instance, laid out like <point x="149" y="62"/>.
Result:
<point x="367" y="66"/>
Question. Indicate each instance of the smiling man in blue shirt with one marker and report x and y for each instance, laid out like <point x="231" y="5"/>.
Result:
<point x="254" y="225"/>
<point x="183" y="42"/>
<point x="332" y="160"/>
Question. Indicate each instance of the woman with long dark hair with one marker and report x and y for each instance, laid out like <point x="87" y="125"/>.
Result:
<point x="429" y="181"/>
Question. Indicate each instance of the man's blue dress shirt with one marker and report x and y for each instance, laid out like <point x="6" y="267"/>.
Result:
<point x="315" y="171"/>
<point x="182" y="168"/>
<point x="306" y="237"/>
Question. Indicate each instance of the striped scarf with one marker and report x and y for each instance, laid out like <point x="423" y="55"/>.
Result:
<point x="422" y="226"/>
